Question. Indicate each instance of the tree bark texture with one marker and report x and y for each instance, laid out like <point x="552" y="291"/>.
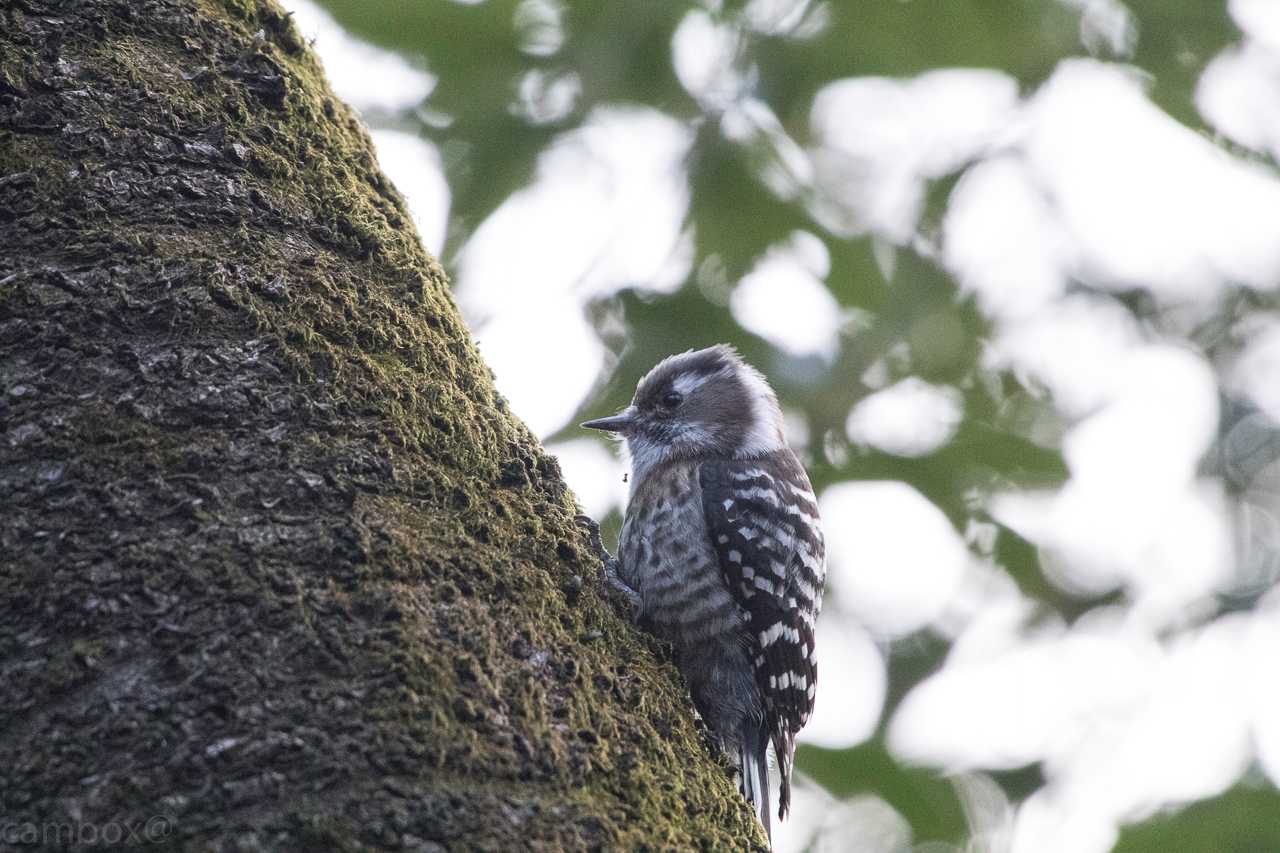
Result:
<point x="278" y="565"/>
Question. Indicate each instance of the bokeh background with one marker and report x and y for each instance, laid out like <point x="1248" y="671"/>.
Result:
<point x="1012" y="267"/>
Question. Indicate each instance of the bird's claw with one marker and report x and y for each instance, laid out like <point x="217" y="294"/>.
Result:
<point x="609" y="568"/>
<point x="592" y="529"/>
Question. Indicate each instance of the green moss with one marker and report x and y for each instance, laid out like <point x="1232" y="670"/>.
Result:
<point x="353" y="578"/>
<point x="328" y="832"/>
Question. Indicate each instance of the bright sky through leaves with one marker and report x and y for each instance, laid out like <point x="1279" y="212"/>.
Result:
<point x="1015" y="280"/>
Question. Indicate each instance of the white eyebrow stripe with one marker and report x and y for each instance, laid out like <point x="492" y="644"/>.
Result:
<point x="687" y="383"/>
<point x="765" y="433"/>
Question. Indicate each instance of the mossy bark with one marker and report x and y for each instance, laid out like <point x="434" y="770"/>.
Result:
<point x="279" y="567"/>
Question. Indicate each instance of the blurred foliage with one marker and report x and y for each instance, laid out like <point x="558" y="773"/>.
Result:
<point x="1240" y="821"/>
<point x="909" y="314"/>
<point x="925" y="800"/>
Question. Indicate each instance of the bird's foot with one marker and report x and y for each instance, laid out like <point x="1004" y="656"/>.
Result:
<point x="616" y="585"/>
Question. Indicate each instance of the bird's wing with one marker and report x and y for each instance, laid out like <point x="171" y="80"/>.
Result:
<point x="763" y="521"/>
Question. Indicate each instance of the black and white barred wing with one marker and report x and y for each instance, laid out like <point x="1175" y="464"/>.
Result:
<point x="763" y="522"/>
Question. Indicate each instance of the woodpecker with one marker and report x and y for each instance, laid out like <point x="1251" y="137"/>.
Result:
<point x="721" y="554"/>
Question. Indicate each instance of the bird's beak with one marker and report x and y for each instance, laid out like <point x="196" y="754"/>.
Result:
<point x="620" y="422"/>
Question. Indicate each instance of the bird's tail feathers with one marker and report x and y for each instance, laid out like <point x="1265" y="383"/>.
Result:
<point x="753" y="764"/>
<point x="784" y="748"/>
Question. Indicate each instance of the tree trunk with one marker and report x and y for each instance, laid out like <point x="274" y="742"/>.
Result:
<point x="280" y="569"/>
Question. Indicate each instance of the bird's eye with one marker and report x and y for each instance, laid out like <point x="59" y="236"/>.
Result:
<point x="671" y="399"/>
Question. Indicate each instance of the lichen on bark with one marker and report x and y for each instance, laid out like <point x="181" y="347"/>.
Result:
<point x="278" y="563"/>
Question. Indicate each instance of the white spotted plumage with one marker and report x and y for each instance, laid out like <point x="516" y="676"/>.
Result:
<point x="723" y="549"/>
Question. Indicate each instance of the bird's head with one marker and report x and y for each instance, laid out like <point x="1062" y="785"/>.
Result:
<point x="705" y="403"/>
